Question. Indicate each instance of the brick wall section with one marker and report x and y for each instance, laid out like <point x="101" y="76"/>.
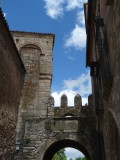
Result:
<point x="11" y="82"/>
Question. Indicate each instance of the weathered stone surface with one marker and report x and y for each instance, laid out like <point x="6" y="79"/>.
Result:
<point x="64" y="110"/>
<point x="112" y="22"/>
<point x="39" y="133"/>
<point x="106" y="91"/>
<point x="11" y="82"/>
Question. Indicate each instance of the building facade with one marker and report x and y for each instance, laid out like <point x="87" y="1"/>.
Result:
<point x="103" y="56"/>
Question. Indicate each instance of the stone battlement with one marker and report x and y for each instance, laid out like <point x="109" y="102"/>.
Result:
<point x="64" y="110"/>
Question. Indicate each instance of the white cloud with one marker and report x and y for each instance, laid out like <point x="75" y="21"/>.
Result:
<point x="70" y="95"/>
<point x="81" y="18"/>
<point x="73" y="153"/>
<point x="77" y="38"/>
<point x="81" y="85"/>
<point x="54" y="8"/>
<point x="72" y="4"/>
<point x="5" y="14"/>
<point x="57" y="8"/>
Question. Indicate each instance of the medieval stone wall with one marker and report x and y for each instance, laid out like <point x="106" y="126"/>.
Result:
<point x="36" y="53"/>
<point x="40" y="124"/>
<point x="35" y="50"/>
<point x="111" y="126"/>
<point x="108" y="110"/>
<point x="11" y="82"/>
<point x="41" y="132"/>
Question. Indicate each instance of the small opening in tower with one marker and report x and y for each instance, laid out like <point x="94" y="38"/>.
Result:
<point x="17" y="40"/>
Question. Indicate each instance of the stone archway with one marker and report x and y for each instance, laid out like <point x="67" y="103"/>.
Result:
<point x="63" y="143"/>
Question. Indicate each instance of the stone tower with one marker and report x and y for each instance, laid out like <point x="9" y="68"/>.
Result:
<point x="43" y="129"/>
<point x="35" y="50"/>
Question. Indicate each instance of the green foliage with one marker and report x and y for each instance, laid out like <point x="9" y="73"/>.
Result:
<point x="60" y="155"/>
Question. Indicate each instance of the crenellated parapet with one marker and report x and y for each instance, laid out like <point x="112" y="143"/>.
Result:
<point x="77" y="100"/>
<point x="64" y="102"/>
<point x="64" y="109"/>
<point x="50" y="108"/>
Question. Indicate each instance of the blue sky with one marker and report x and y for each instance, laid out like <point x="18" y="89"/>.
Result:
<point x="73" y="153"/>
<point x="65" y="19"/>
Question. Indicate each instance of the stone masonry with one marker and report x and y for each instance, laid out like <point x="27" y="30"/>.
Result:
<point x="35" y="50"/>
<point x="12" y="73"/>
<point x="40" y="123"/>
<point x="103" y="57"/>
<point x="40" y="133"/>
<point x="42" y="129"/>
<point x="110" y="122"/>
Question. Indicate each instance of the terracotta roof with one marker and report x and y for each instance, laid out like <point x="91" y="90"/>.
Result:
<point x="2" y="18"/>
<point x="36" y="33"/>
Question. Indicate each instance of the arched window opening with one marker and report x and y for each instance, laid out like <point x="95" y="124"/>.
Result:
<point x="69" y="115"/>
<point x="30" y="46"/>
